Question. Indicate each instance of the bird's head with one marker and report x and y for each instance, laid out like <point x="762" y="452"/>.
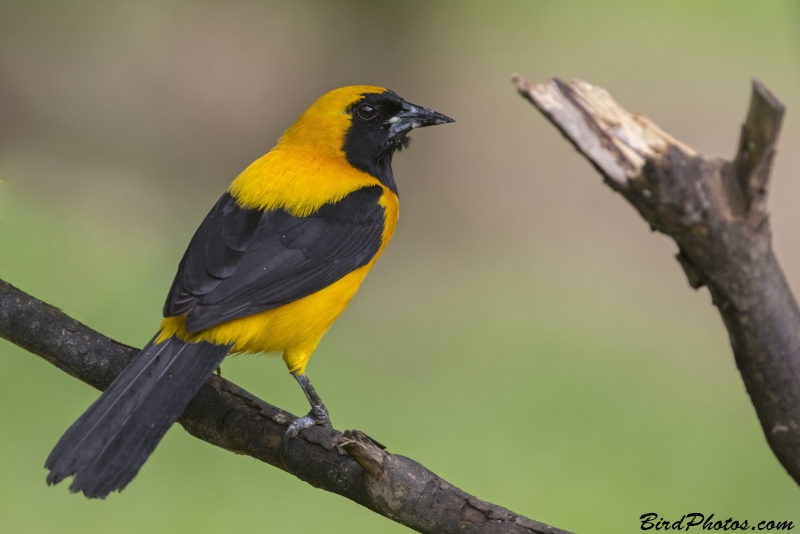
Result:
<point x="363" y="124"/>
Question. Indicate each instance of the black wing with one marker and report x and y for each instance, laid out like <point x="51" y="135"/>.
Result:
<point x="243" y="261"/>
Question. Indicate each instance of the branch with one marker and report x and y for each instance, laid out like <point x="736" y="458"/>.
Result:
<point x="223" y="414"/>
<point x="716" y="212"/>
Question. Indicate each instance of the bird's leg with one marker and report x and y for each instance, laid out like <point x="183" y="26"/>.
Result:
<point x="318" y="414"/>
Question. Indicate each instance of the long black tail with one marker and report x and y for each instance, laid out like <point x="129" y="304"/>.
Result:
<point x="110" y="442"/>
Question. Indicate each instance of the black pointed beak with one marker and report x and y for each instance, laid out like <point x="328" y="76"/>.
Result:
<point x="411" y="117"/>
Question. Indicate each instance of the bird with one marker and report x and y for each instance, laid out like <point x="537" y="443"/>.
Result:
<point x="270" y="268"/>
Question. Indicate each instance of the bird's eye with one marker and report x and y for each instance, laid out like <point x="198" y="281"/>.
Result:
<point x="366" y="112"/>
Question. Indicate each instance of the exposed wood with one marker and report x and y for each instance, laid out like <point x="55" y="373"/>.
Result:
<point x="716" y="212"/>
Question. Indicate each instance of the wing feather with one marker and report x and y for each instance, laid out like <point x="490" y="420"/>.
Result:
<point x="244" y="261"/>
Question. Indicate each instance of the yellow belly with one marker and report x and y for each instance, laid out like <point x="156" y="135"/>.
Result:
<point x="294" y="329"/>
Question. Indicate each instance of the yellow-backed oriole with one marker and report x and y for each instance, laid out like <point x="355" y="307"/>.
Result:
<point x="270" y="269"/>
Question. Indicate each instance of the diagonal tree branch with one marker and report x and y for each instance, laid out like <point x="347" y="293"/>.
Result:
<point x="223" y="414"/>
<point x="716" y="212"/>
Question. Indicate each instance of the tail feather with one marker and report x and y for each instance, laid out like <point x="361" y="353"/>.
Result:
<point x="110" y="442"/>
<point x="102" y="420"/>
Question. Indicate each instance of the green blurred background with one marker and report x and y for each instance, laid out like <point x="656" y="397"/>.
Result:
<point x="525" y="336"/>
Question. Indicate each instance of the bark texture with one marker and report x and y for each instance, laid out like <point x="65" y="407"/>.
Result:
<point x="716" y="211"/>
<point x="225" y="415"/>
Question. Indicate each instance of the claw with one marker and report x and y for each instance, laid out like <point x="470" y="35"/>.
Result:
<point x="317" y="416"/>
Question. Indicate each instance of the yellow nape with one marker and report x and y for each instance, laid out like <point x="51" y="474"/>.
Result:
<point x="307" y="168"/>
<point x="322" y="126"/>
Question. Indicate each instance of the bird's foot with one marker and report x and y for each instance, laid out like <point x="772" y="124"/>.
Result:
<point x="317" y="416"/>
